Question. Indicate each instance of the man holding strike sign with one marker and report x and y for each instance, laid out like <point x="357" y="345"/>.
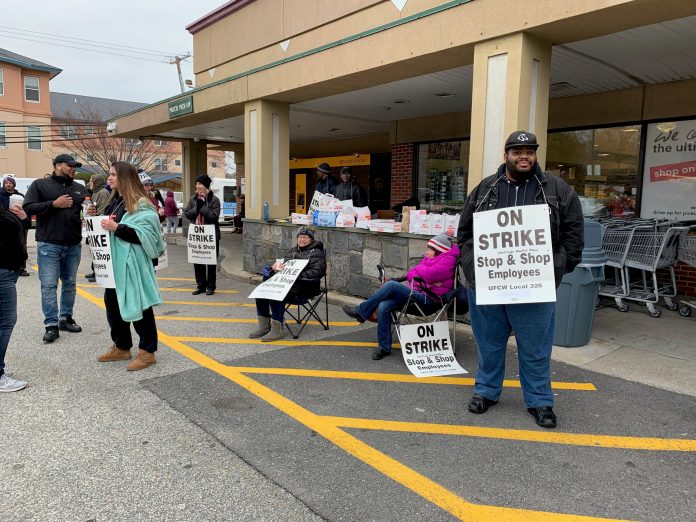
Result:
<point x="511" y="260"/>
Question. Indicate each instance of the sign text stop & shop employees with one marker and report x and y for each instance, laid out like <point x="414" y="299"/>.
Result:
<point x="514" y="256"/>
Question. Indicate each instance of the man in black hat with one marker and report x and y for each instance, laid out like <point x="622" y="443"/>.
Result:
<point x="325" y="181"/>
<point x="348" y="188"/>
<point x="520" y="181"/>
<point x="56" y="201"/>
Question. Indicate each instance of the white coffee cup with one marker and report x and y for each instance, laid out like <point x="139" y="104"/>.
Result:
<point x="16" y="200"/>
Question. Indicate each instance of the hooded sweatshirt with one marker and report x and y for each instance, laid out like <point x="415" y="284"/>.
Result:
<point x="170" y="208"/>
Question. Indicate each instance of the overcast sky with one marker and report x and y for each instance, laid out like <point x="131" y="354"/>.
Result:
<point x="147" y="25"/>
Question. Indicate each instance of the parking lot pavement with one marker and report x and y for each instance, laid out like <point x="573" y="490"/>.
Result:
<point x="322" y="430"/>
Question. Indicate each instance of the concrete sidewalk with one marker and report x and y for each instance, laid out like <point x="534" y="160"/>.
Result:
<point x="634" y="346"/>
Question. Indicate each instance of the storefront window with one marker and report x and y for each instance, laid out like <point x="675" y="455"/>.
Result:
<point x="442" y="175"/>
<point x="601" y="165"/>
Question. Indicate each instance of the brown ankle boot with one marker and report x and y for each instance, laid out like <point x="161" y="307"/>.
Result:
<point x="115" y="354"/>
<point x="142" y="361"/>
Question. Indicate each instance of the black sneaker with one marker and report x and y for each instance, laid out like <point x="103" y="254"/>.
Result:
<point x="51" y="334"/>
<point x="68" y="324"/>
<point x="24" y="273"/>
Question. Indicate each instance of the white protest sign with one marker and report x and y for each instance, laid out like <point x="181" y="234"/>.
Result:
<point x="201" y="245"/>
<point x="278" y="286"/>
<point x="317" y="201"/>
<point x="99" y="242"/>
<point x="427" y="349"/>
<point x="163" y="260"/>
<point x="513" y="256"/>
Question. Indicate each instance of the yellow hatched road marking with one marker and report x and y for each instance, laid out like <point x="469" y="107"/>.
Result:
<point x="237" y="320"/>
<point x="392" y="468"/>
<point x="211" y="303"/>
<point x="286" y="342"/>
<point x="172" y="289"/>
<point x="573" y="439"/>
<point x="176" y="279"/>
<point x="397" y="377"/>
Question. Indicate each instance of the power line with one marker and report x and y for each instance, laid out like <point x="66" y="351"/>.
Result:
<point x="86" y="49"/>
<point x="73" y="39"/>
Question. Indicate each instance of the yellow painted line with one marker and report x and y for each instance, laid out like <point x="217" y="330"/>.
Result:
<point x="285" y="342"/>
<point x="203" y="303"/>
<point x="173" y="289"/>
<point x="392" y="468"/>
<point x="546" y="437"/>
<point x="238" y="320"/>
<point x="397" y="377"/>
<point x="91" y="298"/>
<point x="176" y="279"/>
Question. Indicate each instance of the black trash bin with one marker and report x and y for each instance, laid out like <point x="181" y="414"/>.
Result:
<point x="577" y="294"/>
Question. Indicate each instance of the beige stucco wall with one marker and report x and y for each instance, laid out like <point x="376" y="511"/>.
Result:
<point x="16" y="158"/>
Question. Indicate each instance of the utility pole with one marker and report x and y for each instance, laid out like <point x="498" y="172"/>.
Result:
<point x="177" y="60"/>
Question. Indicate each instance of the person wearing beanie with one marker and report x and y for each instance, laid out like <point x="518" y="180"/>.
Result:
<point x="326" y="183"/>
<point x="9" y="188"/>
<point x="436" y="269"/>
<point x="348" y="188"/>
<point x="271" y="313"/>
<point x="204" y="209"/>
<point x="154" y="194"/>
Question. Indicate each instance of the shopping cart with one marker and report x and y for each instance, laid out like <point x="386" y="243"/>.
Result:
<point x="649" y="251"/>
<point x="687" y="254"/>
<point x="616" y="240"/>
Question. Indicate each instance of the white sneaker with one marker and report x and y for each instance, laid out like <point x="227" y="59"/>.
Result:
<point x="8" y="384"/>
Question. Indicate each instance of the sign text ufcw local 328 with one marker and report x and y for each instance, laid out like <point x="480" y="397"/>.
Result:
<point x="513" y="256"/>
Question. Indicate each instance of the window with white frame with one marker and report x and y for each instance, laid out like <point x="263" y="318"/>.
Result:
<point x="3" y="134"/>
<point x="68" y="132"/>
<point x="31" y="89"/>
<point x="164" y="164"/>
<point x="34" y="138"/>
<point x="2" y="82"/>
<point x="158" y="143"/>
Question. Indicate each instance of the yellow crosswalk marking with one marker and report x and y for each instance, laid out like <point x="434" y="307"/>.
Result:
<point x="237" y="320"/>
<point x="172" y="289"/>
<point x="209" y="303"/>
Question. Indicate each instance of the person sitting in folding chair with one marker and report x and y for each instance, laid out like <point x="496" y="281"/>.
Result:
<point x="434" y="274"/>
<point x="271" y="313"/>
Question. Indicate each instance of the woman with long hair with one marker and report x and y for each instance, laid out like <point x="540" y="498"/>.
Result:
<point x="136" y="243"/>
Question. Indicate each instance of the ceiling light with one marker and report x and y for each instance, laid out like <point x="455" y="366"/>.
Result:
<point x="629" y="130"/>
<point x="444" y="94"/>
<point x="401" y="101"/>
<point x="603" y="154"/>
<point x="666" y="127"/>
<point x="334" y="129"/>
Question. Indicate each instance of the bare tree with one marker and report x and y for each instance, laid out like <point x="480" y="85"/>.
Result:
<point x="84" y="132"/>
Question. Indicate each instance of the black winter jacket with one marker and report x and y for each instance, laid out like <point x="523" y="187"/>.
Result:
<point x="308" y="284"/>
<point x="60" y="226"/>
<point x="209" y="209"/>
<point x="567" y="224"/>
<point x="12" y="244"/>
<point x="351" y="190"/>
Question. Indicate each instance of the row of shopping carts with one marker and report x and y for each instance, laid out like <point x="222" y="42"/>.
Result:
<point x="636" y="250"/>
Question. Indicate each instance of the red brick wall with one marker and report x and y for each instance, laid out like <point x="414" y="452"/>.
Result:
<point x="686" y="279"/>
<point x="401" y="172"/>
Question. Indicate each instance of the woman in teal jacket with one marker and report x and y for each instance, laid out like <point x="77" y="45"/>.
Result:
<point x="136" y="243"/>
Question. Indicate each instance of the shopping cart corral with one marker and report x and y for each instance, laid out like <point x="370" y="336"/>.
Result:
<point x="636" y="252"/>
<point x="687" y="254"/>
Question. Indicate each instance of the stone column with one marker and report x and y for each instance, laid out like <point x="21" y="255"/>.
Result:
<point x="510" y="92"/>
<point x="266" y="158"/>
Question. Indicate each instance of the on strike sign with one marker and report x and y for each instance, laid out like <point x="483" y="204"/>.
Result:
<point x="513" y="256"/>
<point x="427" y="349"/>
<point x="280" y="283"/>
<point x="99" y="242"/>
<point x="202" y="249"/>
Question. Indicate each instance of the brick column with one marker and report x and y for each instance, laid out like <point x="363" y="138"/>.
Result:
<point x="402" y="172"/>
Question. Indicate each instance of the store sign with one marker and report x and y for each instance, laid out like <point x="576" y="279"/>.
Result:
<point x="335" y="161"/>
<point x="180" y="107"/>
<point x="513" y="256"/>
<point x="669" y="175"/>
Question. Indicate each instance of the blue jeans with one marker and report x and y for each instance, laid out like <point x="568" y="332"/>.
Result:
<point x="389" y="297"/>
<point x="57" y="262"/>
<point x="533" y="326"/>
<point x="8" y="310"/>
<point x="270" y="308"/>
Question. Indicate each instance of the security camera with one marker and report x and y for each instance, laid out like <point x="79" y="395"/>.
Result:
<point x="111" y="127"/>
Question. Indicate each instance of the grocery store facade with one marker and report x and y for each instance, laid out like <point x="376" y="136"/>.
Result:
<point x="423" y="92"/>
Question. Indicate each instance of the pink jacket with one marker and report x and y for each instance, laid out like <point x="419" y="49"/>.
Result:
<point x="438" y="272"/>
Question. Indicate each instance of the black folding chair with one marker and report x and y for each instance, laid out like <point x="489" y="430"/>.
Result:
<point x="436" y="309"/>
<point x="305" y="304"/>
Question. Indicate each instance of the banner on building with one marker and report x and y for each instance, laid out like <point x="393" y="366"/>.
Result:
<point x="277" y="286"/>
<point x="513" y="256"/>
<point x="427" y="349"/>
<point x="669" y="174"/>
<point x="201" y="246"/>
<point x="99" y="241"/>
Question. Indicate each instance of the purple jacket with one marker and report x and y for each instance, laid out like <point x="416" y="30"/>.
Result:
<point x="438" y="272"/>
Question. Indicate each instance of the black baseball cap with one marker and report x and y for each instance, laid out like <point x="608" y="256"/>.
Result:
<point x="67" y="159"/>
<point x="521" y="138"/>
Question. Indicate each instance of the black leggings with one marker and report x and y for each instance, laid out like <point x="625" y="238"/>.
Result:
<point x="120" y="329"/>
